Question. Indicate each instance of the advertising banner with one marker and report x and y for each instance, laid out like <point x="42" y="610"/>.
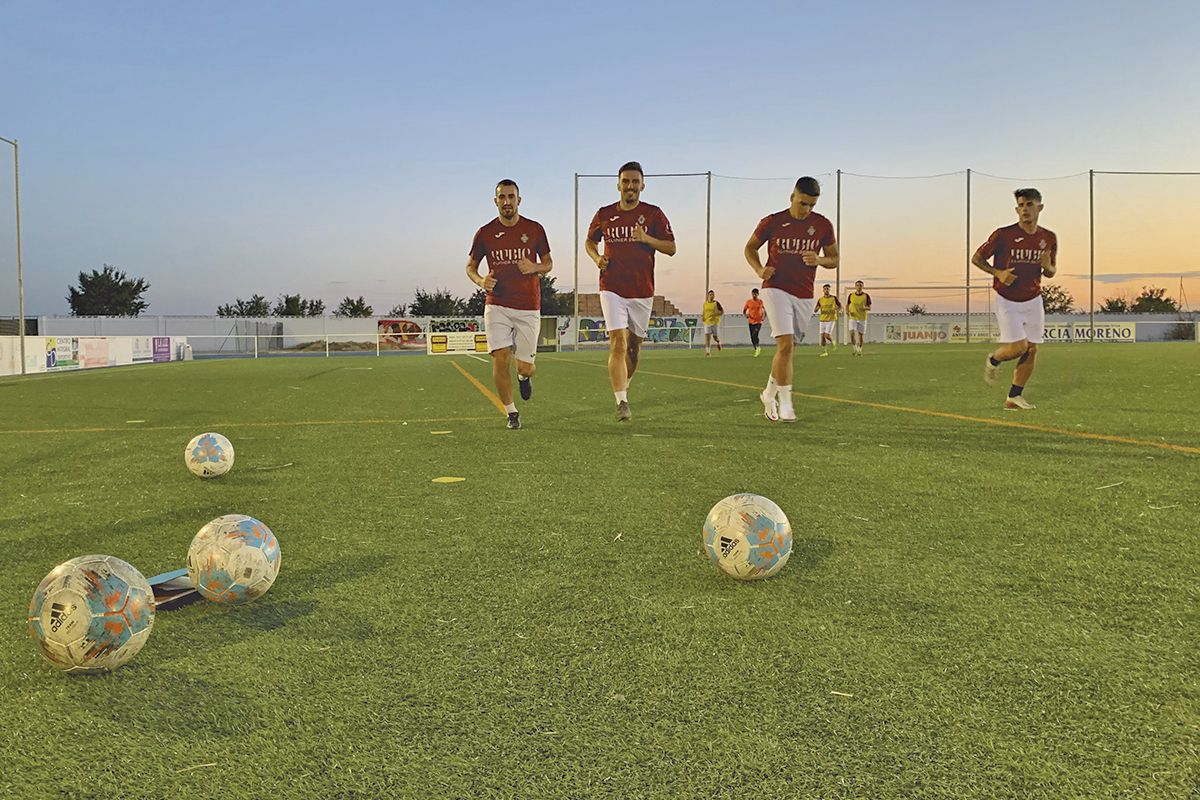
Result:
<point x="161" y="348"/>
<point x="143" y="349"/>
<point x="93" y="352"/>
<point x="1082" y="332"/>
<point x="922" y="332"/>
<point x="62" y="352"/>
<point x="457" y="342"/>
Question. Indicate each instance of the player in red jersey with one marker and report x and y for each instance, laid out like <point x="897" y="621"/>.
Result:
<point x="1021" y="254"/>
<point x="632" y="232"/>
<point x="517" y="255"/>
<point x="798" y="241"/>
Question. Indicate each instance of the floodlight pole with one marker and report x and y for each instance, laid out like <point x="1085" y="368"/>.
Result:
<point x="707" y="233"/>
<point x="968" y="282"/>
<point x="837" y="224"/>
<point x="576" y="292"/>
<point x="1092" y="255"/>
<point x="20" y="271"/>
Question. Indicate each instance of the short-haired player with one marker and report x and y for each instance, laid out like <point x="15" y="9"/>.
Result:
<point x="711" y="316"/>
<point x="858" y="306"/>
<point x="753" y="309"/>
<point x="827" y="309"/>
<point x="799" y="240"/>
<point x="1021" y="254"/>
<point x="517" y="254"/>
<point x="632" y="232"/>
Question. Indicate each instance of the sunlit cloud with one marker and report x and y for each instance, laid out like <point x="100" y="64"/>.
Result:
<point x="1126" y="277"/>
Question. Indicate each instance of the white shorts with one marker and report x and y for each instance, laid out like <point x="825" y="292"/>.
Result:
<point x="712" y="330"/>
<point x="512" y="327"/>
<point x="858" y="325"/>
<point x="626" y="312"/>
<point x="1020" y="319"/>
<point x="786" y="313"/>
<point x="827" y="327"/>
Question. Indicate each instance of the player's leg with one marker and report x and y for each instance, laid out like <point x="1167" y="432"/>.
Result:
<point x="1033" y="320"/>
<point x="528" y="325"/>
<point x="781" y="316"/>
<point x="1012" y="338"/>
<point x="639" y="327"/>
<point x="707" y="342"/>
<point x="498" y="327"/>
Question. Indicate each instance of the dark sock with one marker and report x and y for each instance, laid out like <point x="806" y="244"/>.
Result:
<point x="992" y="360"/>
<point x="1015" y="391"/>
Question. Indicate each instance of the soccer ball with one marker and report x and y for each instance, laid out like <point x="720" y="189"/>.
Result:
<point x="748" y="536"/>
<point x="91" y="614"/>
<point x="233" y="559"/>
<point x="209" y="455"/>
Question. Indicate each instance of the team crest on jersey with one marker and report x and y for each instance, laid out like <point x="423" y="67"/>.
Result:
<point x="1042" y="244"/>
<point x="641" y="219"/>
<point x="811" y="230"/>
<point x="524" y="237"/>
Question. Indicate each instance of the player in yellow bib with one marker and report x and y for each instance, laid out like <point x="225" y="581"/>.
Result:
<point x="827" y="306"/>
<point x="712" y="322"/>
<point x="858" y="305"/>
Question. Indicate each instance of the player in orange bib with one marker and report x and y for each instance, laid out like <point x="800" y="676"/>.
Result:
<point x="517" y="255"/>
<point x="753" y="309"/>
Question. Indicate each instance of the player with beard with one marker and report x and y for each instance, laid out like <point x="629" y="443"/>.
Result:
<point x="517" y="254"/>
<point x="632" y="232"/>
<point x="798" y="241"/>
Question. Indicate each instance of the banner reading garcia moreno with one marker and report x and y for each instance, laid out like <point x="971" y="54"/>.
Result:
<point x="1082" y="332"/>
<point x="917" y="332"/>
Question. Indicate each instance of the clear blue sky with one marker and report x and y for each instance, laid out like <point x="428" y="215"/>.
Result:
<point x="222" y="149"/>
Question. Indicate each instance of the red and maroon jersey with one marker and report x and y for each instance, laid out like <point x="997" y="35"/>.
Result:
<point x="630" y="270"/>
<point x="503" y="247"/>
<point x="786" y="238"/>
<point x="1021" y="252"/>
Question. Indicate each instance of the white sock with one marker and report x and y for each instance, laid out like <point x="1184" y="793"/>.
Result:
<point x="522" y="377"/>
<point x="511" y="408"/>
<point x="772" y="387"/>
<point x="622" y="396"/>
<point x="785" y="395"/>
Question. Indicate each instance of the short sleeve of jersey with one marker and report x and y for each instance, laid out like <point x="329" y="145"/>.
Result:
<point x="478" y="247"/>
<point x="661" y="227"/>
<point x="988" y="248"/>
<point x="541" y="245"/>
<point x="762" y="232"/>
<point x="595" y="230"/>
<point x="827" y="236"/>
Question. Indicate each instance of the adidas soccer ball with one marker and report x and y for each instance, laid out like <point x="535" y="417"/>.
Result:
<point x="233" y="559"/>
<point x="209" y="455"/>
<point x="91" y="614"/>
<point x="748" y="536"/>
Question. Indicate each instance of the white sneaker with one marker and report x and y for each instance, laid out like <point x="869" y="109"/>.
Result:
<point x="769" y="409"/>
<point x="786" y="412"/>
<point x="989" y="371"/>
<point x="1018" y="402"/>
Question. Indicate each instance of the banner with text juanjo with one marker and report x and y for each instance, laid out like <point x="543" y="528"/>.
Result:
<point x="925" y="332"/>
<point x="1082" y="332"/>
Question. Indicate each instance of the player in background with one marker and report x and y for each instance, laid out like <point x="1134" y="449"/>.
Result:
<point x="798" y="241"/>
<point x="753" y="309"/>
<point x="858" y="305"/>
<point x="632" y="232"/>
<point x="827" y="307"/>
<point x="1021" y="254"/>
<point x="517" y="255"/>
<point x="712" y="322"/>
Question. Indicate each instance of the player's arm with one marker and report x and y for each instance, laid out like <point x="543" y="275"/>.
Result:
<point x="868" y="303"/>
<point x="829" y="260"/>
<point x="664" y="246"/>
<point x="750" y="251"/>
<point x="485" y="282"/>
<point x="593" y="251"/>
<point x="985" y="251"/>
<point x="539" y="267"/>
<point x="1049" y="267"/>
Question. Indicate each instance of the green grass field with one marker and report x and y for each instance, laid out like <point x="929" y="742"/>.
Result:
<point x="971" y="609"/>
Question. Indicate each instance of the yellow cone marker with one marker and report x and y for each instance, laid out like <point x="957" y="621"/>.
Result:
<point x="448" y="480"/>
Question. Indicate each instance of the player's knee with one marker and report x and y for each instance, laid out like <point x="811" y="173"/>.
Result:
<point x="525" y="368"/>
<point x="502" y="357"/>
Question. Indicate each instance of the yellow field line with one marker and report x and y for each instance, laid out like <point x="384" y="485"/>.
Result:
<point x="231" y="425"/>
<point x="1004" y="423"/>
<point x="486" y="392"/>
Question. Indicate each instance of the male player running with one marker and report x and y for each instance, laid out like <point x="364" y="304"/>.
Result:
<point x="753" y="309"/>
<point x="796" y="238"/>
<point x="858" y="305"/>
<point x="632" y="232"/>
<point x="1021" y="254"/>
<point x="517" y="254"/>
<point x="711" y="316"/>
<point x="827" y="306"/>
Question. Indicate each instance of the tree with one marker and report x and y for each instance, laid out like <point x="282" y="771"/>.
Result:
<point x="354" y="308"/>
<point x="916" y="309"/>
<point x="256" y="306"/>
<point x="1153" y="300"/>
<point x="438" y="303"/>
<point x="554" y="303"/>
<point x="107" y="292"/>
<point x="476" y="303"/>
<point x="1115" y="305"/>
<point x="293" y="305"/>
<point x="1057" y="300"/>
<point x="398" y="310"/>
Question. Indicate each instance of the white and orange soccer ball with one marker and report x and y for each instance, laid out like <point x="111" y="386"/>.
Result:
<point x="233" y="559"/>
<point x="91" y="614"/>
<point x="748" y="537"/>
<point x="209" y="455"/>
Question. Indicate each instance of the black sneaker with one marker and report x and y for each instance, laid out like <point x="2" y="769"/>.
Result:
<point x="526" y="387"/>
<point x="514" y="421"/>
<point x="623" y="412"/>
